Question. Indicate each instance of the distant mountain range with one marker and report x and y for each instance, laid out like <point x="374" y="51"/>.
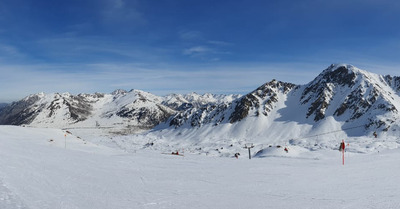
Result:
<point x="127" y="111"/>
<point x="341" y="97"/>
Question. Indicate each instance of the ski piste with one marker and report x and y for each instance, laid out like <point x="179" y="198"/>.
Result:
<point x="36" y="174"/>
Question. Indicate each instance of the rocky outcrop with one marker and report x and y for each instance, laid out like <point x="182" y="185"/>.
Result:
<point x="261" y="100"/>
<point x="21" y="112"/>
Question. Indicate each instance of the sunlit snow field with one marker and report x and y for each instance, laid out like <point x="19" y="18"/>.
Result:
<point x="38" y="170"/>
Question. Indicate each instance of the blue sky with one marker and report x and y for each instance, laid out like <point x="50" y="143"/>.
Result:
<point x="184" y="46"/>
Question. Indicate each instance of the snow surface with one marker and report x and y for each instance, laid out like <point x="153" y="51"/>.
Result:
<point x="37" y="171"/>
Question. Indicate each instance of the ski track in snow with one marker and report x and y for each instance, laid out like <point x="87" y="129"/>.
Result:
<point x="36" y="174"/>
<point x="8" y="200"/>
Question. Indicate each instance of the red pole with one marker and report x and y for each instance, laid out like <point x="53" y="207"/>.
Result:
<point x="343" y="156"/>
<point x="343" y="147"/>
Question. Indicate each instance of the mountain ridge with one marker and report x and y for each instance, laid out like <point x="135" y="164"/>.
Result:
<point x="342" y="93"/>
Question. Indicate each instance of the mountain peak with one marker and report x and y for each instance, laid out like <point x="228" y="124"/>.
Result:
<point x="335" y="66"/>
<point x="345" y="70"/>
<point x="342" y="74"/>
<point x="119" y="91"/>
<point x="334" y="75"/>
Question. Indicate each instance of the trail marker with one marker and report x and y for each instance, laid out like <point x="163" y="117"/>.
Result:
<point x="342" y="148"/>
<point x="65" y="139"/>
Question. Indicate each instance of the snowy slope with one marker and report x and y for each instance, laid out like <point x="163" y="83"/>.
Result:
<point x="38" y="174"/>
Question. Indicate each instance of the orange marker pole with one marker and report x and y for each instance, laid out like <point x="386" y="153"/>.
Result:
<point x="65" y="139"/>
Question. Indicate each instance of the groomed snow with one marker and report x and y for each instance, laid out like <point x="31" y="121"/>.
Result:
<point x="38" y="172"/>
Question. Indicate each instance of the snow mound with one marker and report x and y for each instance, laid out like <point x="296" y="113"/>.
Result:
<point x="282" y="151"/>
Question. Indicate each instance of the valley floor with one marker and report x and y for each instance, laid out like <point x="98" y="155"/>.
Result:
<point x="39" y="171"/>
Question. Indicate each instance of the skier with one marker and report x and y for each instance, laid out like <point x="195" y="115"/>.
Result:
<point x="286" y="150"/>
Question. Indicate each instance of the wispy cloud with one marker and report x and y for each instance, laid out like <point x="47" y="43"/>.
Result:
<point x="9" y="50"/>
<point x="10" y="53"/>
<point x="197" y="46"/>
<point x="91" y="49"/>
<point x="197" y="50"/>
<point x="206" y="53"/>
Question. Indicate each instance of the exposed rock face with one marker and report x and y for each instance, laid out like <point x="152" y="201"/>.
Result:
<point x="196" y="117"/>
<point x="322" y="89"/>
<point x="393" y="82"/>
<point x="21" y="112"/>
<point x="350" y="93"/>
<point x="195" y="110"/>
<point x="146" y="116"/>
<point x="78" y="107"/>
<point x="262" y="99"/>
<point x="124" y="108"/>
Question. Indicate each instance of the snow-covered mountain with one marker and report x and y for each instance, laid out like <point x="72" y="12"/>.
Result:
<point x="343" y="92"/>
<point x="130" y="112"/>
<point x="353" y="96"/>
<point x="342" y="102"/>
<point x="342" y="97"/>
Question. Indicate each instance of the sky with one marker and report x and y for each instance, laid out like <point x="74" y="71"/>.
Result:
<point x="182" y="46"/>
